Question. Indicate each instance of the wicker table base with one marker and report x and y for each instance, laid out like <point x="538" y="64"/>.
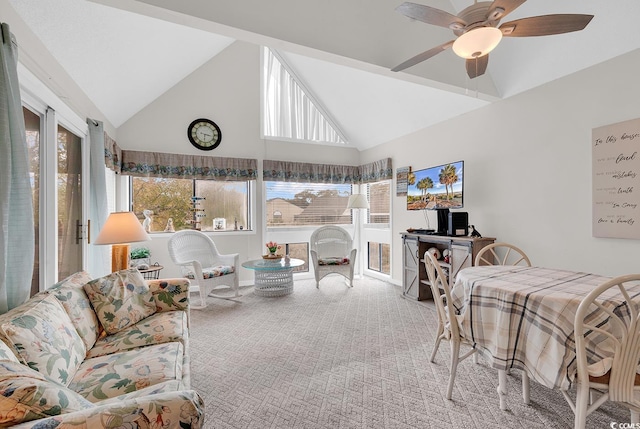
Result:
<point x="274" y="283"/>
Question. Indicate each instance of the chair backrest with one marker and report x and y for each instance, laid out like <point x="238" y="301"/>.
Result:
<point x="612" y="301"/>
<point x="441" y="294"/>
<point x="191" y="245"/>
<point x="502" y="254"/>
<point x="331" y="240"/>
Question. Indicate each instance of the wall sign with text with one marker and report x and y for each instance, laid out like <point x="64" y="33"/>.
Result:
<point x="616" y="180"/>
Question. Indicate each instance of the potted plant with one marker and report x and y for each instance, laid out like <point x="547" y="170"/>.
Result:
<point x="140" y="257"/>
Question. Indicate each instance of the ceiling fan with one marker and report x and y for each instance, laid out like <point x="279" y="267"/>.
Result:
<point x="478" y="32"/>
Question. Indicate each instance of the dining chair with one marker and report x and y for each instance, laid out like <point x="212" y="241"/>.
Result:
<point x="332" y="251"/>
<point x="199" y="260"/>
<point x="502" y="254"/>
<point x="615" y="377"/>
<point x="448" y="328"/>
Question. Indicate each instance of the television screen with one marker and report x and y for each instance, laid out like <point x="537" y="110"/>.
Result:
<point x="435" y="188"/>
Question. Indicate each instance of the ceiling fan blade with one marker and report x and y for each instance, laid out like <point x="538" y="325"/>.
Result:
<point x="477" y="66"/>
<point x="429" y="15"/>
<point x="423" y="56"/>
<point x="545" y="25"/>
<point x="507" y="7"/>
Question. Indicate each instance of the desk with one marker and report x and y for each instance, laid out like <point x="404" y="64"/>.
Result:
<point x="523" y="317"/>
<point x="273" y="277"/>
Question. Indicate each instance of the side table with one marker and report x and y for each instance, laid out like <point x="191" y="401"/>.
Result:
<point x="273" y="277"/>
<point x="153" y="272"/>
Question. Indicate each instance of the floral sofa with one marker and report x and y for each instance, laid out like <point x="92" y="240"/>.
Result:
<point x="103" y="353"/>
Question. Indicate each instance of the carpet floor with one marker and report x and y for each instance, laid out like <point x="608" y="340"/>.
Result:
<point x="340" y="357"/>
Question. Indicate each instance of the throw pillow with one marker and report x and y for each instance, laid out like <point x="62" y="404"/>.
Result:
<point x="28" y="395"/>
<point x="120" y="299"/>
<point x="45" y="339"/>
<point x="6" y="353"/>
<point x="73" y="298"/>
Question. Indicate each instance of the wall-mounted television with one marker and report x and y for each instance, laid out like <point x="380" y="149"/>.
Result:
<point x="437" y="188"/>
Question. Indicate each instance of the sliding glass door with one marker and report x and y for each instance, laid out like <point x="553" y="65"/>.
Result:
<point x="69" y="203"/>
<point x="57" y="168"/>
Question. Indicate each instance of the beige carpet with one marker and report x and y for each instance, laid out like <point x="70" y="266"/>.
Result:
<point x="342" y="357"/>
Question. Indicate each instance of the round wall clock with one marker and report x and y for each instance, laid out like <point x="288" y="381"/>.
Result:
<point x="204" y="134"/>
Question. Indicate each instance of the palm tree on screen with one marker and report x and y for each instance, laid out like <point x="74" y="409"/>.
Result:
<point x="448" y="177"/>
<point x="424" y="185"/>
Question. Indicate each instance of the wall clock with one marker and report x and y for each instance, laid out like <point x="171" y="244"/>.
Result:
<point x="204" y="134"/>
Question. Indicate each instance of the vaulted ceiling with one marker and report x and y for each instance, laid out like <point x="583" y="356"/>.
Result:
<point x="342" y="49"/>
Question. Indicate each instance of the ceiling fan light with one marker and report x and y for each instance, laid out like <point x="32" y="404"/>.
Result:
<point x="477" y="42"/>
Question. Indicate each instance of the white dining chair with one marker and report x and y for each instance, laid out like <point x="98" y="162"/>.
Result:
<point x="448" y="328"/>
<point x="199" y="260"/>
<point x="502" y="254"/>
<point x="616" y="377"/>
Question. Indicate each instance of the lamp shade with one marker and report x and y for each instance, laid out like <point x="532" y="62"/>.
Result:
<point x="358" y="201"/>
<point x="477" y="42"/>
<point x="121" y="227"/>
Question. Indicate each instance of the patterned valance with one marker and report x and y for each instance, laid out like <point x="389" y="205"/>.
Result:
<point x="176" y="166"/>
<point x="376" y="171"/>
<point x="288" y="171"/>
<point x="112" y="154"/>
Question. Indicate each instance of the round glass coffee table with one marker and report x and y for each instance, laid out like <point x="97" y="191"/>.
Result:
<point x="273" y="277"/>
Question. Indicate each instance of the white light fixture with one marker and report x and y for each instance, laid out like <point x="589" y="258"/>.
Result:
<point x="119" y="230"/>
<point x="357" y="202"/>
<point x="477" y="42"/>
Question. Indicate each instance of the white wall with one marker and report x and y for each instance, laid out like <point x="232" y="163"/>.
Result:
<point x="528" y="168"/>
<point x="227" y="91"/>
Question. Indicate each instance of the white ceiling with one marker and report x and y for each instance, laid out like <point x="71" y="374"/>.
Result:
<point x="342" y="49"/>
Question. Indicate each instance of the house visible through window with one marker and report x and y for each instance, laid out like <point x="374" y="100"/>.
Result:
<point x="379" y="195"/>
<point x="171" y="199"/>
<point x="300" y="204"/>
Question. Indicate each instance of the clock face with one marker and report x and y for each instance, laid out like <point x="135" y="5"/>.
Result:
<point x="204" y="134"/>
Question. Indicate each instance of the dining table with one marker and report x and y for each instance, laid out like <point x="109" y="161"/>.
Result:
<point x="520" y="317"/>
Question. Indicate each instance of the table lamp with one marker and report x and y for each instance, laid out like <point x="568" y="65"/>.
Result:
<point x="358" y="201"/>
<point x="119" y="230"/>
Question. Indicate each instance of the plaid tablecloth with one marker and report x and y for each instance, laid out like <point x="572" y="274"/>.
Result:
<point x="523" y="317"/>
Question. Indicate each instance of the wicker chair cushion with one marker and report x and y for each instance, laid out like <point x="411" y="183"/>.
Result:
<point x="211" y="272"/>
<point x="334" y="261"/>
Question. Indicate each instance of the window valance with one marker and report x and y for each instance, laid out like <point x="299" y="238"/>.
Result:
<point x="376" y="171"/>
<point x="288" y="171"/>
<point x="177" y="166"/>
<point x="112" y="154"/>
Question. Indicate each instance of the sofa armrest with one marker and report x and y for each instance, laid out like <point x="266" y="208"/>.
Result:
<point x="170" y="294"/>
<point x="173" y="410"/>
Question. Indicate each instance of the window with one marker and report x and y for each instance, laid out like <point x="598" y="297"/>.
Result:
<point x="290" y="111"/>
<point x="295" y="204"/>
<point x="379" y="257"/>
<point x="172" y="199"/>
<point x="379" y="195"/>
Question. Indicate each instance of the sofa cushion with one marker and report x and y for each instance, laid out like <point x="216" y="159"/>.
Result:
<point x="112" y="375"/>
<point x="120" y="299"/>
<point x="27" y="395"/>
<point x="167" y="327"/>
<point x="71" y="294"/>
<point x="45" y="339"/>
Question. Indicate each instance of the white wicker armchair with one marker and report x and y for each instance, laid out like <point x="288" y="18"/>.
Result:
<point x="200" y="262"/>
<point x="332" y="252"/>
